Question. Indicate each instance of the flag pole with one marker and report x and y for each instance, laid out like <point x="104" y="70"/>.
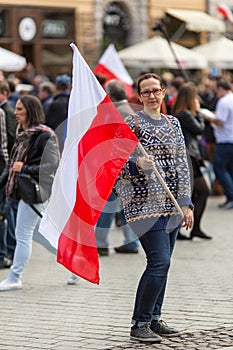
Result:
<point x="162" y="28"/>
<point x="163" y="183"/>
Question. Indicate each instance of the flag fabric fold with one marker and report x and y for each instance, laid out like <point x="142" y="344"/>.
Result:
<point x="97" y="145"/>
<point x="226" y="12"/>
<point x="111" y="67"/>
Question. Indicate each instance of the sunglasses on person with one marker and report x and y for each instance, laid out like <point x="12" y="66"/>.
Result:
<point x="147" y="93"/>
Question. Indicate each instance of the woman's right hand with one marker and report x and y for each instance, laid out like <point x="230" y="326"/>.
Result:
<point x="17" y="167"/>
<point x="145" y="163"/>
<point x="187" y="220"/>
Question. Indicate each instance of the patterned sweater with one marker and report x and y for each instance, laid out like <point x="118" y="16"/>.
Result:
<point x="142" y="195"/>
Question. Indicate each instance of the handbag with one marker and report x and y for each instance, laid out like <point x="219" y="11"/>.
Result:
<point x="28" y="189"/>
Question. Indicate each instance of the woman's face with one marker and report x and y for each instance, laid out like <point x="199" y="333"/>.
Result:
<point x="151" y="94"/>
<point x="21" y="114"/>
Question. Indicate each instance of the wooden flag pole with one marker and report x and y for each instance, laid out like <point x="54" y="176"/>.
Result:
<point x="161" y="180"/>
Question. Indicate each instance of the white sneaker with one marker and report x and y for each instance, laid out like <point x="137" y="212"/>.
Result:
<point x="10" y="285"/>
<point x="73" y="279"/>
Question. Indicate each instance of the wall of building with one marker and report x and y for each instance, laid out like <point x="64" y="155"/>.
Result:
<point x="156" y="8"/>
<point x="88" y="23"/>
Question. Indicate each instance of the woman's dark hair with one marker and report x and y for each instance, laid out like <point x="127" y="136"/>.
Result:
<point x="146" y="76"/>
<point x="185" y="98"/>
<point x="33" y="106"/>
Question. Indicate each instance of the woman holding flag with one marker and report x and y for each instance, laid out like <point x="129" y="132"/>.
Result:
<point x="155" y="206"/>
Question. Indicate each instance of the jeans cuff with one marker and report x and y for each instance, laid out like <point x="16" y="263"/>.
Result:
<point x="139" y="323"/>
<point x="155" y="317"/>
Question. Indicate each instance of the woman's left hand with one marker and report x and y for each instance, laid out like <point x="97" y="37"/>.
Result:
<point x="17" y="167"/>
<point x="187" y="220"/>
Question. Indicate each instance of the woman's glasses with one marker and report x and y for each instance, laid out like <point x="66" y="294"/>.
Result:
<point x="147" y="93"/>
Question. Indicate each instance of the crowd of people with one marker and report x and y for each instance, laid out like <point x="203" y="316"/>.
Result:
<point x="186" y="128"/>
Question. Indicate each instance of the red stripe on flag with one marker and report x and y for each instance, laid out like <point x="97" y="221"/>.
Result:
<point x="223" y="12"/>
<point x="73" y="255"/>
<point x="226" y="12"/>
<point x="105" y="72"/>
<point x="102" y="70"/>
<point x="103" y="150"/>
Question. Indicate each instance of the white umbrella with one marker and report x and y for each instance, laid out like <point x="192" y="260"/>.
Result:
<point x="10" y="61"/>
<point x="156" y="53"/>
<point x="218" y="52"/>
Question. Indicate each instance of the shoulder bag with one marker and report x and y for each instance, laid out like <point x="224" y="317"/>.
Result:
<point x="28" y="189"/>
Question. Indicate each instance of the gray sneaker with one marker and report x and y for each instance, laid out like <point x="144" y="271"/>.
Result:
<point x="161" y="328"/>
<point x="73" y="279"/>
<point x="6" y="285"/>
<point x="227" y="205"/>
<point x="144" y="334"/>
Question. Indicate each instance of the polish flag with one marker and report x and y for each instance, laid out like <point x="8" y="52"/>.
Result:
<point x="110" y="66"/>
<point x="97" y="145"/>
<point x="226" y="12"/>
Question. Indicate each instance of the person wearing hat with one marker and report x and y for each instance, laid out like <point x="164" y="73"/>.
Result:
<point x="57" y="112"/>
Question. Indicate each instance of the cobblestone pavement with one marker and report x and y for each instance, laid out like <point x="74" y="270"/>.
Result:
<point x="49" y="314"/>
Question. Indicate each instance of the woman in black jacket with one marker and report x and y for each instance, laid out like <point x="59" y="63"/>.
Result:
<point x="186" y="109"/>
<point x="36" y="153"/>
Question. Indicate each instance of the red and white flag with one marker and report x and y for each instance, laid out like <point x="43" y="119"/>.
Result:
<point x="226" y="12"/>
<point x="97" y="145"/>
<point x="110" y="66"/>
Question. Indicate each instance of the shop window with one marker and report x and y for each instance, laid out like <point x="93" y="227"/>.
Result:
<point x="116" y="25"/>
<point x="58" y="25"/>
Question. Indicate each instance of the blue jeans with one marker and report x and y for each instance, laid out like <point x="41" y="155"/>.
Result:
<point x="7" y="226"/>
<point x="158" y="246"/>
<point x="27" y="222"/>
<point x="3" y="237"/>
<point x="223" y="167"/>
<point x="104" y="223"/>
<point x="11" y="223"/>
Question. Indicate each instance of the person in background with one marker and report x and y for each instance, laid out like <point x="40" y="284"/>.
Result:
<point x="45" y="94"/>
<point x="208" y="100"/>
<point x="57" y="113"/>
<point x="5" y="261"/>
<point x="223" y="156"/>
<point x="148" y="209"/>
<point x="37" y="79"/>
<point x="33" y="140"/>
<point x="8" y="210"/>
<point x="174" y="87"/>
<point x="13" y="95"/>
<point x="6" y="106"/>
<point x="186" y="109"/>
<point x="117" y="93"/>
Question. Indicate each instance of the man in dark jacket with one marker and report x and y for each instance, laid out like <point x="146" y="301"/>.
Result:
<point x="58" y="109"/>
<point x="9" y="113"/>
<point x="8" y="210"/>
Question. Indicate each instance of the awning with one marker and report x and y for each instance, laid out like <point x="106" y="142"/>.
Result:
<point x="198" y="21"/>
<point x="218" y="52"/>
<point x="156" y="53"/>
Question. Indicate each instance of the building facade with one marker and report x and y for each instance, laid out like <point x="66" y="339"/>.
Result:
<point x="41" y="30"/>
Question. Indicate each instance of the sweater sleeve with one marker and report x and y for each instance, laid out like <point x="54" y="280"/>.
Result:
<point x="183" y="168"/>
